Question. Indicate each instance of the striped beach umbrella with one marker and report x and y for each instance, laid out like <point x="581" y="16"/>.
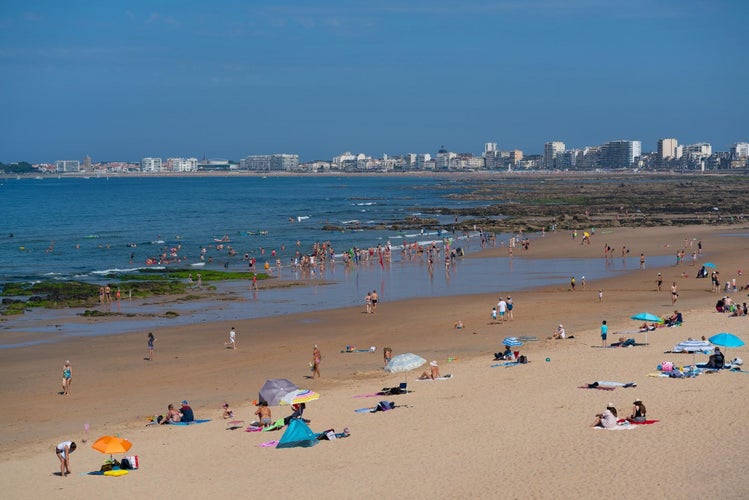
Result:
<point x="299" y="396"/>
<point x="511" y="342"/>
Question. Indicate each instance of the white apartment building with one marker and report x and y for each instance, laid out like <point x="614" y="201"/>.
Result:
<point x="150" y="165"/>
<point x="182" y="165"/>
<point x="740" y="150"/>
<point x="63" y="166"/>
<point x="699" y="150"/>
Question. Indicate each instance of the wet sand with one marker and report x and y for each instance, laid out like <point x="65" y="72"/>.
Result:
<point x="523" y="430"/>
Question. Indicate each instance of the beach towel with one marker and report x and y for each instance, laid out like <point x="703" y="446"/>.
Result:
<point x="527" y="338"/>
<point x="254" y="428"/>
<point x="278" y="424"/>
<point x="447" y="376"/>
<point x="600" y="388"/>
<point x="357" y="350"/>
<point x="234" y="424"/>
<point x="646" y="422"/>
<point x="268" y="444"/>
<point x="194" y="422"/>
<point x="616" y="384"/>
<point x="505" y="364"/>
<point x="619" y="427"/>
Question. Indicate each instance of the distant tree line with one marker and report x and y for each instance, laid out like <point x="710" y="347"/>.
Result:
<point x="21" y="167"/>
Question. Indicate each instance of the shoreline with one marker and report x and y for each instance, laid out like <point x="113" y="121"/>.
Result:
<point x="190" y="363"/>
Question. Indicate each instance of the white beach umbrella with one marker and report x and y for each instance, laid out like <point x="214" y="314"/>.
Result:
<point x="404" y="363"/>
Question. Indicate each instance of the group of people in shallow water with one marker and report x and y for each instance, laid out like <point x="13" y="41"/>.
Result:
<point x="609" y="417"/>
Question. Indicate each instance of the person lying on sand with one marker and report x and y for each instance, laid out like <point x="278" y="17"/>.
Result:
<point x="433" y="373"/>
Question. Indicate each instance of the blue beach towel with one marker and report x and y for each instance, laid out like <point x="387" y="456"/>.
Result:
<point x="191" y="423"/>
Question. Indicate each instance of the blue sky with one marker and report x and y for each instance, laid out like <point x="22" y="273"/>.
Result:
<point x="120" y="80"/>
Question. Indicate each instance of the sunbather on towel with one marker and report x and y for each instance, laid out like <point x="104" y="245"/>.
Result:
<point x="638" y="411"/>
<point x="172" y="416"/>
<point x="433" y="373"/>
<point x="624" y="342"/>
<point x="264" y="414"/>
<point x="607" y="419"/>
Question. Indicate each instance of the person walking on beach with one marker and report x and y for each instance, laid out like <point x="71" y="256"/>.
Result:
<point x="600" y="295"/>
<point x="368" y="302"/>
<point x="659" y="281"/>
<point x="509" y="307"/>
<point x="151" y="340"/>
<point x="67" y="378"/>
<point x="642" y="261"/>
<point x="63" y="451"/>
<point x="502" y="308"/>
<point x="375" y="299"/>
<point x="316" y="358"/>
<point x="572" y="283"/>
<point x="232" y="342"/>
<point x="604" y="333"/>
<point x="674" y="293"/>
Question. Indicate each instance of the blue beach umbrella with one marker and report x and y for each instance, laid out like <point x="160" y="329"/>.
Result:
<point x="644" y="316"/>
<point x="512" y="342"/>
<point x="726" y="339"/>
<point x="709" y="264"/>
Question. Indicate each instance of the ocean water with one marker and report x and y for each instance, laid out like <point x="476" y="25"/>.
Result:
<point x="77" y="228"/>
<point x="74" y="228"/>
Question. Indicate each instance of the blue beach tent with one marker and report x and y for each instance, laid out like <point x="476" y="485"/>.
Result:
<point x="297" y="434"/>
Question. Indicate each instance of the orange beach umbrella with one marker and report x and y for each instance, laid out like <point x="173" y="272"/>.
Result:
<point x="111" y="444"/>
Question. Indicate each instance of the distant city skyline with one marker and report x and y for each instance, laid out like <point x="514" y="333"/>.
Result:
<point x="122" y="81"/>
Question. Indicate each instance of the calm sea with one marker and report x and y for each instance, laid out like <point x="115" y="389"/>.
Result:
<point x="75" y="228"/>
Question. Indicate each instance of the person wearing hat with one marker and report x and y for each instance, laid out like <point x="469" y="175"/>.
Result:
<point x="607" y="419"/>
<point x="186" y="411"/>
<point x="434" y="372"/>
<point x="638" y="411"/>
<point x="560" y="333"/>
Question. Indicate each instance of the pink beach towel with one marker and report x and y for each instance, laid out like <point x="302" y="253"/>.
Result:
<point x="268" y="444"/>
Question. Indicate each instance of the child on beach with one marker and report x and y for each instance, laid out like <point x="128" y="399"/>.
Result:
<point x="494" y="314"/>
<point x="228" y="412"/>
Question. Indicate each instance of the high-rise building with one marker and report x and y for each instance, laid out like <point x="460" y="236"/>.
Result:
<point x="551" y="151"/>
<point x="667" y="150"/>
<point x="619" y="154"/>
<point x="490" y="147"/>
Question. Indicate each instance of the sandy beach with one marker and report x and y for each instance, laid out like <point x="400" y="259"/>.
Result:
<point x="487" y="432"/>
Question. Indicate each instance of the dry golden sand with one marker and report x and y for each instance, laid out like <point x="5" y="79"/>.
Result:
<point x="519" y="432"/>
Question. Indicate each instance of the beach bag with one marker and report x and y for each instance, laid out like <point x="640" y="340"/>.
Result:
<point x="667" y="366"/>
<point x="522" y="359"/>
<point x="130" y="462"/>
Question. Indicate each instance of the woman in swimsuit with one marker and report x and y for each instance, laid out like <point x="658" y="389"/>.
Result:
<point x="67" y="377"/>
